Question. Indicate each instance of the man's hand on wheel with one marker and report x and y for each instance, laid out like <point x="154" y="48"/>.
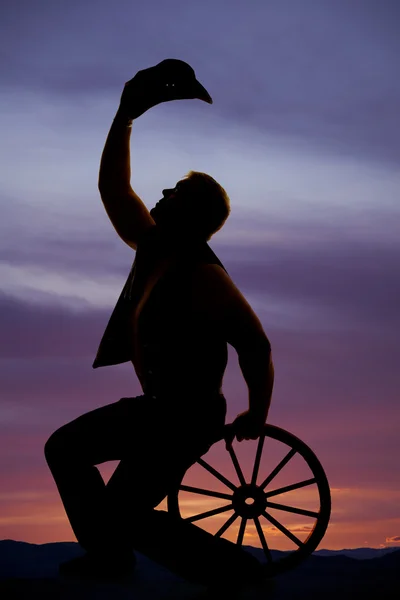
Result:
<point x="249" y="425"/>
<point x="169" y="80"/>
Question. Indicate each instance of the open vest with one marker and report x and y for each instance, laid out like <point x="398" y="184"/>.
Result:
<point x="115" y="345"/>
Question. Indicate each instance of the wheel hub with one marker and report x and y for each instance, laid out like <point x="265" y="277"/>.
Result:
<point x="249" y="501"/>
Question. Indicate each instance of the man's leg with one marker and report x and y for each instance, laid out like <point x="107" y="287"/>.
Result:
<point x="104" y="434"/>
<point x="109" y="520"/>
<point x="179" y="437"/>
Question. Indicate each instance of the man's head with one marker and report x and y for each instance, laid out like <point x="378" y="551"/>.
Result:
<point x="195" y="209"/>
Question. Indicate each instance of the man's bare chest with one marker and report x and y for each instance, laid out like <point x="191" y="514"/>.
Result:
<point x="181" y="291"/>
<point x="149" y="281"/>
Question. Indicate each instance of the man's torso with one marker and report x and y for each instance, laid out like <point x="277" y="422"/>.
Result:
<point x="173" y="348"/>
<point x="154" y="322"/>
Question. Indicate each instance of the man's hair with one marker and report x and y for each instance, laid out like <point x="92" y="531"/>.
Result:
<point x="213" y="203"/>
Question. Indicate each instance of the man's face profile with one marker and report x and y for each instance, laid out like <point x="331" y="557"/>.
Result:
<point x="174" y="208"/>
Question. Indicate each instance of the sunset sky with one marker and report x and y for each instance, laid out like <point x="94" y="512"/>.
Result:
<point x="303" y="135"/>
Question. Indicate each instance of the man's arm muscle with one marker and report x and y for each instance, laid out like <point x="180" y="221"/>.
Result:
<point x="218" y="299"/>
<point x="125" y="209"/>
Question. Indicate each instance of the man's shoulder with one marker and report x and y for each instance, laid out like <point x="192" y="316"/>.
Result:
<point x="209" y="271"/>
<point x="211" y="279"/>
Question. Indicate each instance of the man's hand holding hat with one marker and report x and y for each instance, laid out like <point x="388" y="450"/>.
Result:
<point x="171" y="79"/>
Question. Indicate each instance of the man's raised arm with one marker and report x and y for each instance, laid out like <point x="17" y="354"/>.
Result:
<point x="169" y="80"/>
<point x="125" y="209"/>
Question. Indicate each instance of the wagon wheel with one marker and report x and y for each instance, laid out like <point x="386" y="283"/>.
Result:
<point x="252" y="500"/>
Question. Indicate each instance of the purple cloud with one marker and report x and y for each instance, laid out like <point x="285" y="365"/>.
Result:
<point x="325" y="71"/>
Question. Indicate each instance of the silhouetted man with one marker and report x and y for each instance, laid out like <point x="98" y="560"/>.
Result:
<point x="177" y="312"/>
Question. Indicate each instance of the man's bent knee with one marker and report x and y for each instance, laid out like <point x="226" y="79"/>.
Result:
<point x="56" y="449"/>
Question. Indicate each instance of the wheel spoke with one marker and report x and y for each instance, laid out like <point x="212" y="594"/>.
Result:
<point x="278" y="468"/>
<point x="258" y="458"/>
<point x="195" y="490"/>
<point x="210" y="513"/>
<point x="283" y="529"/>
<point x="237" y="466"/>
<point x="211" y="470"/>
<point x="292" y="509"/>
<point x="227" y="524"/>
<point x="241" y="531"/>
<point x="262" y="539"/>
<point x="289" y="488"/>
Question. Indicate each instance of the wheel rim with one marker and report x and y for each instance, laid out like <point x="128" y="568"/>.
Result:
<point x="251" y="500"/>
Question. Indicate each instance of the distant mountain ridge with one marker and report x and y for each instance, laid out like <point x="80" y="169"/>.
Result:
<point x="359" y="553"/>
<point x="22" y="559"/>
<point x="29" y="571"/>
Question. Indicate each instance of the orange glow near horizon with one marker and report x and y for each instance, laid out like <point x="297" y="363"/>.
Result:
<point x="39" y="517"/>
<point x="43" y="520"/>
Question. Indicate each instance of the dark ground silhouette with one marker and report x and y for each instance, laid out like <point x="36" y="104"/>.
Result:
<point x="29" y="571"/>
